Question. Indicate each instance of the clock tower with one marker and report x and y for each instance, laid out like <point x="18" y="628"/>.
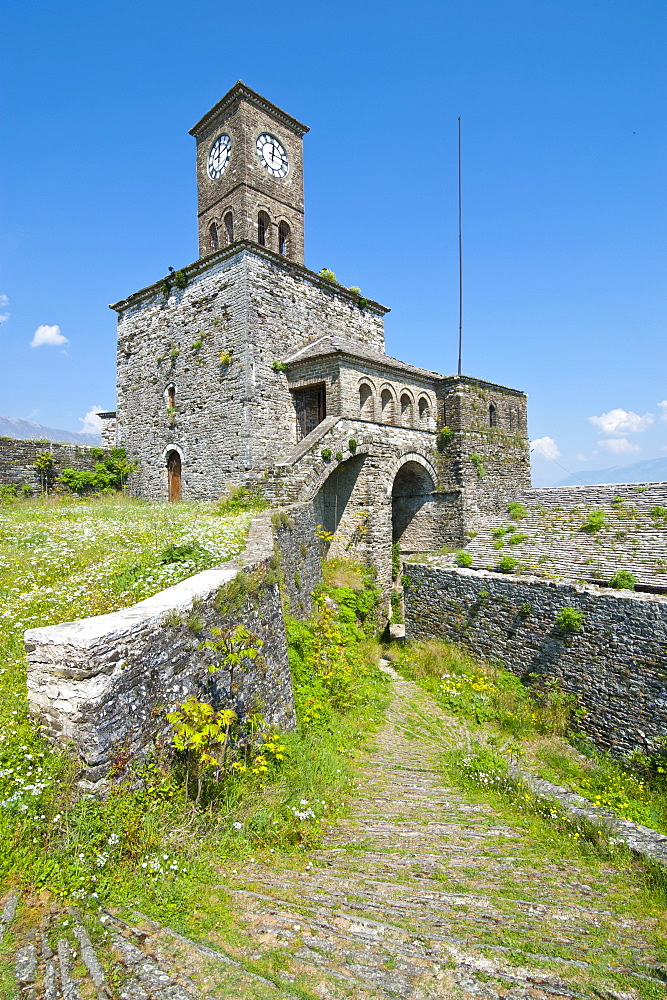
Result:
<point x="250" y="175"/>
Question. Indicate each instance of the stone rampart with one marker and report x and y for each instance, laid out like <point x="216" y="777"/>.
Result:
<point x="552" y="538"/>
<point x="18" y="457"/>
<point x="616" y="665"/>
<point x="104" y="684"/>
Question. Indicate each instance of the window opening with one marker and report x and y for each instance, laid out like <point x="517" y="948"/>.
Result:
<point x="283" y="239"/>
<point x="493" y="416"/>
<point x="229" y="227"/>
<point x="387" y="406"/>
<point x="423" y="409"/>
<point x="263" y="223"/>
<point x="171" y="396"/>
<point x="366" y="402"/>
<point x="213" y="236"/>
<point x="406" y="410"/>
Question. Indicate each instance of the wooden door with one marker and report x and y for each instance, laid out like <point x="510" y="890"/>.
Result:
<point x="174" y="476"/>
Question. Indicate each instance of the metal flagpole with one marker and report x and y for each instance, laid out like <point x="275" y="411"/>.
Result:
<point x="460" y="260"/>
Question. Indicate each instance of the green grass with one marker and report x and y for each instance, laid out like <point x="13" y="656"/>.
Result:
<point x="145" y="844"/>
<point x="540" y="719"/>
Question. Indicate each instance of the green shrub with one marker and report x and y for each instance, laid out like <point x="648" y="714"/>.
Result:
<point x="658" y="511"/>
<point x="180" y="279"/>
<point x="8" y="491"/>
<point x="499" y="544"/>
<point x="278" y="366"/>
<point x="111" y="474"/>
<point x="595" y="521"/>
<point x="617" y="501"/>
<point x="517" y="539"/>
<point x="326" y="454"/>
<point x="463" y="558"/>
<point x="517" y="511"/>
<point x="623" y="580"/>
<point x="240" y="500"/>
<point x="570" y="620"/>
<point x="339" y="456"/>
<point x="508" y="564"/>
<point x="329" y="275"/>
<point x="186" y="552"/>
<point x="499" y="532"/>
<point x="352" y="445"/>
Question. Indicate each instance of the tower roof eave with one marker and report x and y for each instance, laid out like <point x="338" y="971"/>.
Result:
<point x="240" y="91"/>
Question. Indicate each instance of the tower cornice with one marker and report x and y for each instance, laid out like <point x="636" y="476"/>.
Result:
<point x="240" y="92"/>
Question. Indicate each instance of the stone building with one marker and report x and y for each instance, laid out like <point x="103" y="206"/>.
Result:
<point x="246" y="368"/>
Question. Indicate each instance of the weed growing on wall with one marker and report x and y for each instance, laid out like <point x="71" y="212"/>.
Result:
<point x="623" y="580"/>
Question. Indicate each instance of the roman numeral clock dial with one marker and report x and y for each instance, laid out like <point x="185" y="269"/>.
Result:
<point x="272" y="155"/>
<point x="218" y="157"/>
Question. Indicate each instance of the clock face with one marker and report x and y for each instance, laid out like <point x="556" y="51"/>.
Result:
<point x="218" y="157"/>
<point x="272" y="155"/>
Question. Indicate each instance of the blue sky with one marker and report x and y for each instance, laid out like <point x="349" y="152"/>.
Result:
<point x="564" y="206"/>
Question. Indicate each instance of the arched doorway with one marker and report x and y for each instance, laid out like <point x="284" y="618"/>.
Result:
<point x="412" y="497"/>
<point x="173" y="476"/>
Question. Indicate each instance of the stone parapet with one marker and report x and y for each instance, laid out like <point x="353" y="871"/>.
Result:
<point x="18" y="457"/>
<point x="104" y="684"/>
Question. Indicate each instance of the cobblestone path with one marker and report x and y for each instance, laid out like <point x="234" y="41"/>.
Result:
<point x="423" y="893"/>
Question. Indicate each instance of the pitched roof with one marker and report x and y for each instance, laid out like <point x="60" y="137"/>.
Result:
<point x="330" y="344"/>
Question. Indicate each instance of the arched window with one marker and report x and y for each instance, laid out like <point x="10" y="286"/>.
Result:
<point x="263" y="224"/>
<point x="283" y="239"/>
<point x="387" y="406"/>
<point x="406" y="410"/>
<point x="423" y="410"/>
<point x="365" y="402"/>
<point x="213" y="241"/>
<point x="229" y="226"/>
<point x="493" y="415"/>
<point x="171" y="396"/>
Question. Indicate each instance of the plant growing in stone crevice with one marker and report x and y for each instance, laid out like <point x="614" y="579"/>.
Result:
<point x="479" y="464"/>
<point x="236" y="648"/>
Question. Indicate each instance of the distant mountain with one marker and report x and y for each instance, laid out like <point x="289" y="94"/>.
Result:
<point x="28" y="430"/>
<point x="651" y="470"/>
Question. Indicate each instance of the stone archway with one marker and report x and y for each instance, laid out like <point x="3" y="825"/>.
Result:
<point x="413" y="506"/>
<point x="338" y="500"/>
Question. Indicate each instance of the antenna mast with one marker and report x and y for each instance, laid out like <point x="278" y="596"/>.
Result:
<point x="460" y="260"/>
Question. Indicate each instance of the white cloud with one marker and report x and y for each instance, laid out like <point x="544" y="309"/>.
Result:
<point x="622" y="422"/>
<point x="618" y="446"/>
<point x="48" y="335"/>
<point x="91" y="422"/>
<point x="663" y="407"/>
<point x="4" y="301"/>
<point x="545" y="447"/>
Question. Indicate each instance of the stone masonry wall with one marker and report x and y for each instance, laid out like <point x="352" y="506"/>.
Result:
<point x="488" y="421"/>
<point x="230" y="417"/>
<point x="18" y="457"/>
<point x="295" y="530"/>
<point x="616" y="665"/>
<point x="104" y="683"/>
<point x="552" y="540"/>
